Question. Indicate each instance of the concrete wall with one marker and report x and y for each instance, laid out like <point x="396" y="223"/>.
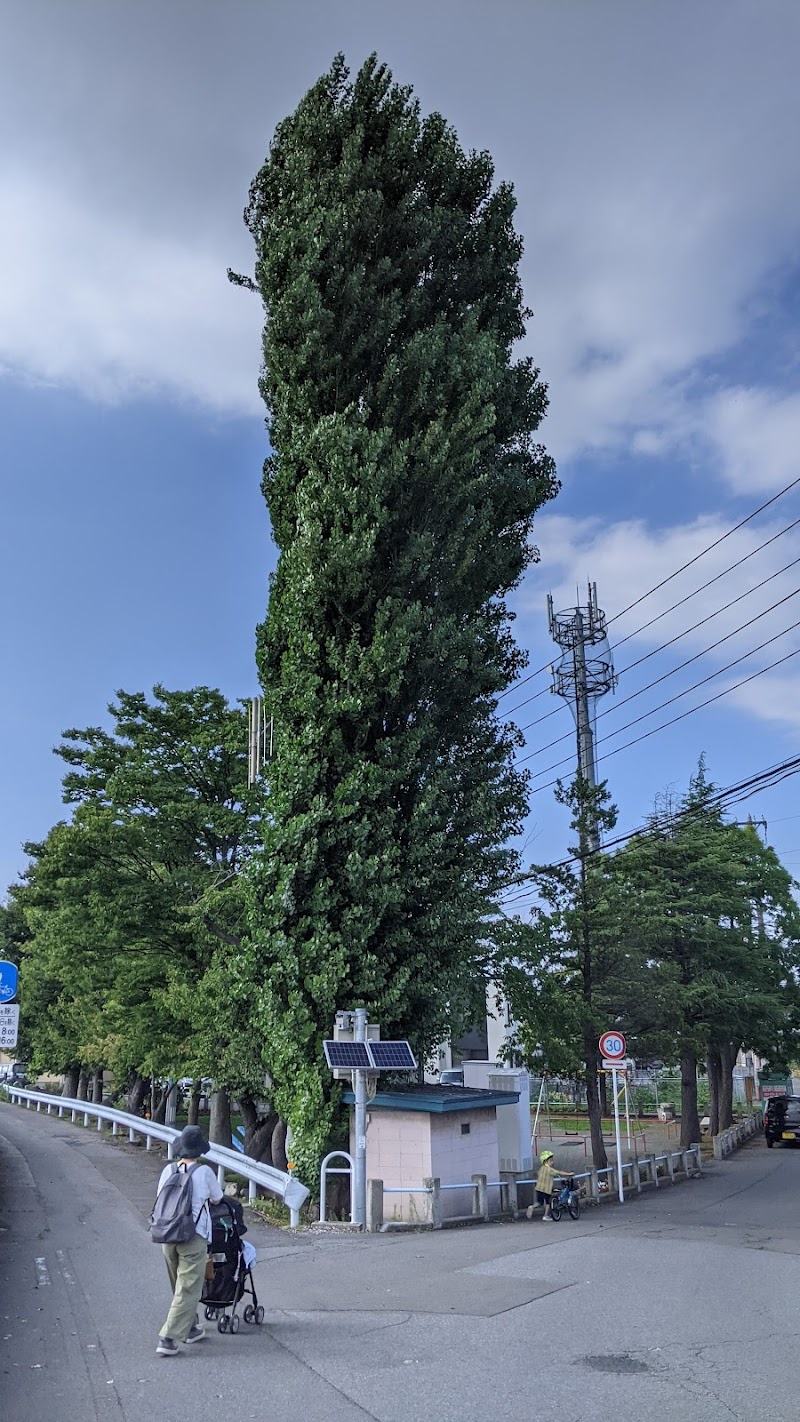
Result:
<point x="456" y="1156"/>
<point x="399" y="1154"/>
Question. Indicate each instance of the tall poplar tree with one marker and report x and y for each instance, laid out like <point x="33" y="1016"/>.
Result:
<point x="402" y="483"/>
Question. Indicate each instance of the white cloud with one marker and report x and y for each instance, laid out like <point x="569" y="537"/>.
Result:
<point x="756" y="433"/>
<point x="95" y="305"/>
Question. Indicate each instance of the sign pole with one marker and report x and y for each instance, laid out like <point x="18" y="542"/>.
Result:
<point x="360" y="1124"/>
<point x="617" y="1134"/>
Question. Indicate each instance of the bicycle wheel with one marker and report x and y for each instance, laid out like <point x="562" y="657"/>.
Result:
<point x="555" y="1208"/>
<point x="574" y="1206"/>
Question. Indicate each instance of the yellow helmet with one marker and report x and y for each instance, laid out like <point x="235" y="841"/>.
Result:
<point x="546" y="1155"/>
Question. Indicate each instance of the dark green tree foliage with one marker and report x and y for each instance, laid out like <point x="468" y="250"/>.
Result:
<point x="714" y="927"/>
<point x="402" y="482"/>
<point x="135" y="908"/>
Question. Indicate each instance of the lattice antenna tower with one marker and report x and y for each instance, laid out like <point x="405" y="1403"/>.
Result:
<point x="260" y="737"/>
<point x="584" y="674"/>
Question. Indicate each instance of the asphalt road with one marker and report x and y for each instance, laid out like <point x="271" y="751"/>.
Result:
<point x="677" y="1305"/>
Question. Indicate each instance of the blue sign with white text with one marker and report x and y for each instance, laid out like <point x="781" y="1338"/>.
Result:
<point x="8" y="981"/>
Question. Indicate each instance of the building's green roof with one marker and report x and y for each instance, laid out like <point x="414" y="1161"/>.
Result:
<point x="435" y="1099"/>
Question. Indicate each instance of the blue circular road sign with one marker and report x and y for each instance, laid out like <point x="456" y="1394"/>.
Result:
<point x="8" y="981"/>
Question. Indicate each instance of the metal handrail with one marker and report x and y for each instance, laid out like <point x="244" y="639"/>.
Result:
<point x="287" y="1187"/>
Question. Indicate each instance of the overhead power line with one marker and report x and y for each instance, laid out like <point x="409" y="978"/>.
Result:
<point x="730" y="795"/>
<point x="522" y="681"/>
<point x="667" y="610"/>
<point x="682" y="717"/>
<point x="681" y="666"/>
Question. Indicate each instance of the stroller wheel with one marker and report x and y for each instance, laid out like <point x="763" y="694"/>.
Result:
<point x="234" y="1324"/>
<point x="222" y="1324"/>
<point x="259" y="1314"/>
<point x="249" y="1314"/>
<point x="211" y="1313"/>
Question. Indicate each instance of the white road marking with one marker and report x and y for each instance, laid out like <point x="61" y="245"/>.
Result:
<point x="42" y="1276"/>
<point x="60" y="1256"/>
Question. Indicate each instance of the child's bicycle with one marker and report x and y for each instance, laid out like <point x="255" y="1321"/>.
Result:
<point x="566" y="1198"/>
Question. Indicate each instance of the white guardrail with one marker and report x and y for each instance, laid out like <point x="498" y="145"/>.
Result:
<point x="287" y="1187"/>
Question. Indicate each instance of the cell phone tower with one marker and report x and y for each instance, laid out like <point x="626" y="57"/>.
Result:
<point x="584" y="674"/>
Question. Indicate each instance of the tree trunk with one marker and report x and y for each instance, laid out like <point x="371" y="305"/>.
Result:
<point x="83" y="1085"/>
<point x="727" y="1061"/>
<point x="219" y="1126"/>
<point x="690" y="1120"/>
<point x="279" y="1159"/>
<point x="137" y="1092"/>
<point x="97" y="1086"/>
<point x="194" y="1102"/>
<point x="160" y="1113"/>
<point x="257" y="1130"/>
<point x="593" y="1106"/>
<point x="70" y="1087"/>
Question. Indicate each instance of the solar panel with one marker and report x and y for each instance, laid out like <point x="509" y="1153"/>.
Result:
<point x="392" y="1056"/>
<point x="350" y="1055"/>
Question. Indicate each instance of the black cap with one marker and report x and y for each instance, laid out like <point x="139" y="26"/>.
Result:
<point x="190" y="1144"/>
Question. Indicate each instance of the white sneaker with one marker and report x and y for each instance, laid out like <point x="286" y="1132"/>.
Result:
<point x="529" y="1213"/>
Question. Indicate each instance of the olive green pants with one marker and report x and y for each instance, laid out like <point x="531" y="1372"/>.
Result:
<point x="186" y="1266"/>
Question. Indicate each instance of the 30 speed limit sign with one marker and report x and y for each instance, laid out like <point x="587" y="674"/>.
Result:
<point x="612" y="1045"/>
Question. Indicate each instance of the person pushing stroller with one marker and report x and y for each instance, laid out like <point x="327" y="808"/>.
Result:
<point x="181" y="1222"/>
<point x="545" y="1181"/>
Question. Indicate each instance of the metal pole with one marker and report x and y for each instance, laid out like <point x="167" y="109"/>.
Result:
<point x="584" y="724"/>
<point x="359" y="1206"/>
<point x="620" y="1189"/>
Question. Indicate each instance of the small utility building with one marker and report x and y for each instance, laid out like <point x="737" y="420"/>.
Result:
<point x="417" y="1133"/>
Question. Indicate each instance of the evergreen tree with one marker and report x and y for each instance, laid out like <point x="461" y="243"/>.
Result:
<point x="402" y="484"/>
<point x="714" y="928"/>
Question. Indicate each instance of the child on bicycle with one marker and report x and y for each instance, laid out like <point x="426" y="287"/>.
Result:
<point x="545" y="1182"/>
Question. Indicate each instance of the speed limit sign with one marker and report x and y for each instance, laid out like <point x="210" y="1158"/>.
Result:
<point x="612" y="1045"/>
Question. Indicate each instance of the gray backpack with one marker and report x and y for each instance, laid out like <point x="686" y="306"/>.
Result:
<point x="173" y="1220"/>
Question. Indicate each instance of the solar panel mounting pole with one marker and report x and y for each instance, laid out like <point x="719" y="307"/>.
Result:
<point x="359" y="1203"/>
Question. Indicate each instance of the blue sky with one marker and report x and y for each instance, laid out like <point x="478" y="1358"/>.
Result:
<point x="652" y="151"/>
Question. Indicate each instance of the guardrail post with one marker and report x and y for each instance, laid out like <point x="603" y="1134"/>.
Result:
<point x="433" y="1184"/>
<point x="114" y="1128"/>
<point x="99" y="1123"/>
<point x="61" y="1113"/>
<point x="131" y="1133"/>
<point x="652" y="1166"/>
<point x="74" y="1115"/>
<point x="698" y="1157"/>
<point x="594" y="1186"/>
<point x="511" y="1203"/>
<point x="221" y="1177"/>
<point x="670" y="1164"/>
<point x="480" y="1206"/>
<point x="38" y="1106"/>
<point x="86" y="1118"/>
<point x="251" y="1187"/>
<point x="148" y="1141"/>
<point x="374" y="1206"/>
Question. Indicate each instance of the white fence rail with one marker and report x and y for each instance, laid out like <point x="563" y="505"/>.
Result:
<point x="729" y="1140"/>
<point x="287" y="1187"/>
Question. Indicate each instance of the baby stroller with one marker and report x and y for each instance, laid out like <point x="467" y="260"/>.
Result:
<point x="232" y="1277"/>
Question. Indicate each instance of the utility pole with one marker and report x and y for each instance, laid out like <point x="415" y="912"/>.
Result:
<point x="582" y="679"/>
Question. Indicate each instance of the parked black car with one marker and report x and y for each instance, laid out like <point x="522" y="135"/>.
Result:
<point x="782" y="1119"/>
